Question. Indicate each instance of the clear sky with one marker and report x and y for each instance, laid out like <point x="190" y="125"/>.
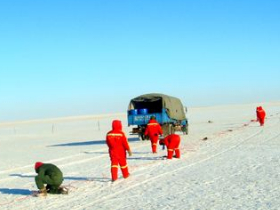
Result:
<point x="67" y="57"/>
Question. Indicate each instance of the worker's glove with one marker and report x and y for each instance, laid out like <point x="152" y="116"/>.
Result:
<point x="129" y="153"/>
<point x="42" y="192"/>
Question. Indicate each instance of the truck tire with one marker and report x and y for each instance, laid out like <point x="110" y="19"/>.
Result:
<point x="142" y="137"/>
<point x="165" y="129"/>
<point x="172" y="129"/>
<point x="185" y="129"/>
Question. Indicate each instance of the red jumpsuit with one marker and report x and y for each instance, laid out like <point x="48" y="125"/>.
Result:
<point x="260" y="115"/>
<point x="118" y="145"/>
<point x="153" y="130"/>
<point x="172" y="142"/>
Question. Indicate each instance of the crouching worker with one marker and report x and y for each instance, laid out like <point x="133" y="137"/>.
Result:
<point x="118" y="146"/>
<point x="49" y="179"/>
<point x="172" y="143"/>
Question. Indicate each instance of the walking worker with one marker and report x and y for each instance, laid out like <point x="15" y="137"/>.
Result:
<point x="118" y="146"/>
<point x="153" y="130"/>
<point x="49" y="179"/>
<point x="260" y="115"/>
<point x="172" y="143"/>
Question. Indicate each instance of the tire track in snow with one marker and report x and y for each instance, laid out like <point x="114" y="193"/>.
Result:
<point x="218" y="178"/>
<point x="166" y="173"/>
<point x="222" y="138"/>
<point x="69" y="163"/>
<point x="92" y="184"/>
<point x="89" y="182"/>
<point x="163" y="174"/>
<point x="52" y="161"/>
<point x="156" y="177"/>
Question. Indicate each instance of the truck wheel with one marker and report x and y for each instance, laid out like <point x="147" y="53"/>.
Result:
<point x="165" y="129"/>
<point x="185" y="129"/>
<point x="172" y="129"/>
<point x="142" y="137"/>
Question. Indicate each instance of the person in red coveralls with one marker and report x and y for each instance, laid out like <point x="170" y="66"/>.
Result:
<point x="118" y="146"/>
<point x="153" y="130"/>
<point x="172" y="142"/>
<point x="260" y="115"/>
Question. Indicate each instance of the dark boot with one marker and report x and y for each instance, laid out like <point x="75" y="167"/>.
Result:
<point x="63" y="190"/>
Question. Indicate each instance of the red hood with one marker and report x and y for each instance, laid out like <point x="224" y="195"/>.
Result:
<point x="117" y="125"/>
<point x="37" y="165"/>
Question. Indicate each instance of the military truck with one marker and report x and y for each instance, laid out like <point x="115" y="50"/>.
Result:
<point x="168" y="110"/>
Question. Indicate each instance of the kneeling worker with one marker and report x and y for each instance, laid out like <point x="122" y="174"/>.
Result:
<point x="51" y="176"/>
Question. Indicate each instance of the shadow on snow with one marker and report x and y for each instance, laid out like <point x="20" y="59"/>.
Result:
<point x="85" y="143"/>
<point x="88" y="143"/>
<point x="15" y="191"/>
<point x="65" y="177"/>
<point x="146" y="158"/>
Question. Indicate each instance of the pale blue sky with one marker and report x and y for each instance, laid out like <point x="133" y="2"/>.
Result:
<point x="65" y="58"/>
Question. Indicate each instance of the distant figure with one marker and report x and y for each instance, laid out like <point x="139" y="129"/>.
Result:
<point x="172" y="142"/>
<point x="260" y="115"/>
<point x="51" y="176"/>
<point x="153" y="130"/>
<point x="118" y="145"/>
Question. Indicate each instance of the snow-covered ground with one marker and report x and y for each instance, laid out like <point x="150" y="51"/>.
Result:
<point x="236" y="167"/>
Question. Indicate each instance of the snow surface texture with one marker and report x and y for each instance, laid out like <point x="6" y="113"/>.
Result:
<point x="228" y="162"/>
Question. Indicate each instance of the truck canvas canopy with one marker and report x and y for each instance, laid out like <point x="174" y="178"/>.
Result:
<point x="155" y="102"/>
